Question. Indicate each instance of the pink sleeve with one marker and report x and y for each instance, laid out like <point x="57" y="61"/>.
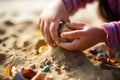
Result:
<point x="112" y="30"/>
<point x="74" y="5"/>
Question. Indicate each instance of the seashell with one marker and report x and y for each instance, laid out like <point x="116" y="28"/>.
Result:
<point x="8" y="72"/>
<point x="43" y="47"/>
<point x="46" y="68"/>
<point x="16" y="74"/>
<point x="56" y="66"/>
<point x="38" y="44"/>
<point x="28" y="73"/>
<point x="46" y="61"/>
<point x="39" y="76"/>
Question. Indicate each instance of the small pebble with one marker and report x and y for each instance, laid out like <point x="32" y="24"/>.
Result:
<point x="46" y="68"/>
<point x="28" y="73"/>
<point x="48" y="62"/>
<point x="16" y="74"/>
<point x="90" y="56"/>
<point x="102" y="55"/>
<point x="93" y="50"/>
<point x="57" y="68"/>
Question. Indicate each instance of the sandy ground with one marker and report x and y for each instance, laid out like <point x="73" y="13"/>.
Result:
<point x="20" y="40"/>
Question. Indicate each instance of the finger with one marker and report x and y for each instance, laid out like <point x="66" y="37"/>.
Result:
<point x="48" y="38"/>
<point x="73" y="34"/>
<point x="53" y="31"/>
<point x="71" y="45"/>
<point x="75" y="25"/>
<point x="41" y="24"/>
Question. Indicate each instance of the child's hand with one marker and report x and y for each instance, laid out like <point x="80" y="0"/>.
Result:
<point x="50" y="19"/>
<point x="83" y="37"/>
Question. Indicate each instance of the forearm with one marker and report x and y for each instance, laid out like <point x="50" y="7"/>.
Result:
<point x="73" y="5"/>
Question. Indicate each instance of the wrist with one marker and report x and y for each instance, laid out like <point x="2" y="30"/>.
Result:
<point x="102" y="35"/>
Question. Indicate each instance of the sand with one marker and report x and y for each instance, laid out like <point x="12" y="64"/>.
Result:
<point x="20" y="40"/>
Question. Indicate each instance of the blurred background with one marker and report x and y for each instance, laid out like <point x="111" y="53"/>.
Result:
<point x="30" y="9"/>
<point x="25" y="9"/>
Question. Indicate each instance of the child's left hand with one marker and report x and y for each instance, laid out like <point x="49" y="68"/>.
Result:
<point x="83" y="37"/>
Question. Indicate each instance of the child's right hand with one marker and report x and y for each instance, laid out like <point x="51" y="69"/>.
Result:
<point x="50" y="19"/>
<point x="83" y="36"/>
